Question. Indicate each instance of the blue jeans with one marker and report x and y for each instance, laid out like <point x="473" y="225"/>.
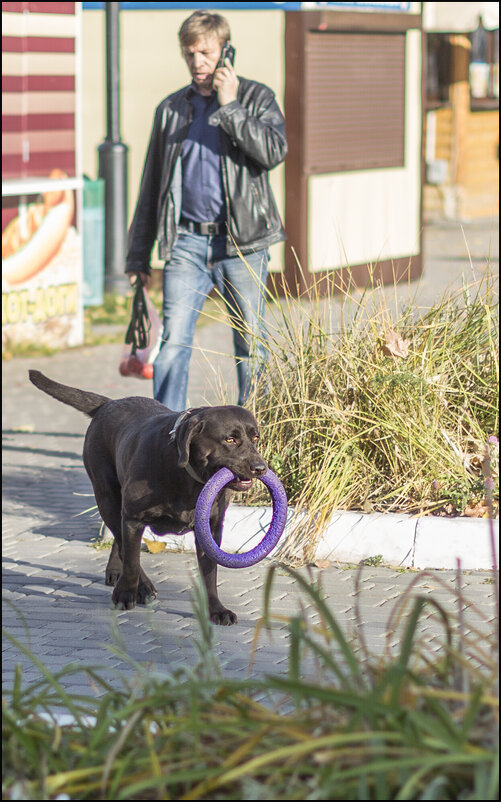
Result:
<point x="198" y="264"/>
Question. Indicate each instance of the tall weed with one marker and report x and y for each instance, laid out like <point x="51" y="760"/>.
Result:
<point x="414" y="724"/>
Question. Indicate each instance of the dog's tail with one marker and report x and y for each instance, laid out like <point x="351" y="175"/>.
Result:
<point x="85" y="402"/>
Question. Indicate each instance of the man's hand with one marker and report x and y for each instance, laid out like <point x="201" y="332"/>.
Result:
<point x="142" y="277"/>
<point x="226" y="82"/>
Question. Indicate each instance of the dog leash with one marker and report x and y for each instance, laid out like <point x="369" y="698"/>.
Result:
<point x="139" y="327"/>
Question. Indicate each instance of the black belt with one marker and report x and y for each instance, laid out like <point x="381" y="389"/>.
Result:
<point x="202" y="228"/>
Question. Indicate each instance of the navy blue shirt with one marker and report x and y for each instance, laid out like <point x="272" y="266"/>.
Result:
<point x="203" y="191"/>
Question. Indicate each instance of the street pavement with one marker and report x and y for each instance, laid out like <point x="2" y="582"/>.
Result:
<point x="54" y="597"/>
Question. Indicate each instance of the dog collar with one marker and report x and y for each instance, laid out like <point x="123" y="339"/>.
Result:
<point x="177" y="424"/>
<point x="173" y="432"/>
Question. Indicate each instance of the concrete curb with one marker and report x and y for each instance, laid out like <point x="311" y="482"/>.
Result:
<point x="350" y="537"/>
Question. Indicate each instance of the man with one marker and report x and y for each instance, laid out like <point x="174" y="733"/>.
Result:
<point x="205" y="196"/>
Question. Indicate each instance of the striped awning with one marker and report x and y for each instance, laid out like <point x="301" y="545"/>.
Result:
<point x="38" y="89"/>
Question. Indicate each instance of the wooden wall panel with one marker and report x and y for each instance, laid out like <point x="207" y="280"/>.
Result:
<point x="355" y="94"/>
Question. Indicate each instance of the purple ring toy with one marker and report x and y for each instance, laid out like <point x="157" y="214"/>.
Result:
<point x="202" y="528"/>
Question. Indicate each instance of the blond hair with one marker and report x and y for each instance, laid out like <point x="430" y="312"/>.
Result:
<point x="203" y="23"/>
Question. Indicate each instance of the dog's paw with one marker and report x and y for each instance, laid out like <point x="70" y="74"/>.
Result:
<point x="223" y="617"/>
<point x="146" y="592"/>
<point x="123" y="599"/>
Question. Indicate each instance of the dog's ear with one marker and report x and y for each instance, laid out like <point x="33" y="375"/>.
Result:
<point x="184" y="436"/>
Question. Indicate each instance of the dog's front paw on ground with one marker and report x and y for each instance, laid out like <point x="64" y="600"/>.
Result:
<point x="223" y="617"/>
<point x="124" y="599"/>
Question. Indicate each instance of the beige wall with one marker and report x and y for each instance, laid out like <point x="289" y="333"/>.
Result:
<point x="152" y="67"/>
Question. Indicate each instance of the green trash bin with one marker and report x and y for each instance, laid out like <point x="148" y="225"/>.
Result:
<point x="93" y="242"/>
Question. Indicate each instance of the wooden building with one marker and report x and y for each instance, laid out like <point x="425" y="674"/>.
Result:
<point x="461" y="110"/>
<point x="353" y="107"/>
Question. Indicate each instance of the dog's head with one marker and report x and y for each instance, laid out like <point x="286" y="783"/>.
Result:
<point x="211" y="438"/>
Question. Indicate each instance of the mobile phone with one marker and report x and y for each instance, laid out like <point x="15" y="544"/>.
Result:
<point x="228" y="51"/>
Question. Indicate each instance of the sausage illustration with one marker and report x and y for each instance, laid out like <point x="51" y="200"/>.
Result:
<point x="46" y="226"/>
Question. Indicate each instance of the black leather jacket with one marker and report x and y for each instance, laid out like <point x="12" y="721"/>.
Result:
<point x="252" y="143"/>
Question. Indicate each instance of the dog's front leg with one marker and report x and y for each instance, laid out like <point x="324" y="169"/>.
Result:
<point x="218" y="613"/>
<point x="125" y="592"/>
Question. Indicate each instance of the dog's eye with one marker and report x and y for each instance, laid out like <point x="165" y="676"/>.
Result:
<point x="230" y="440"/>
<point x="255" y="439"/>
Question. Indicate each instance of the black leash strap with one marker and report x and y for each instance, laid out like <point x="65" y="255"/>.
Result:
<point x="139" y="326"/>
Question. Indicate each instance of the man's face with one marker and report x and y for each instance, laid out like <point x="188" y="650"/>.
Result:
<point x="202" y="58"/>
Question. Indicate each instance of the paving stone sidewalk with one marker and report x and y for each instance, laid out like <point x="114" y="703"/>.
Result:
<point x="54" y="597"/>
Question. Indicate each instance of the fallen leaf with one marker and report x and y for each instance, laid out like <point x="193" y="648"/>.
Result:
<point x="322" y="563"/>
<point x="395" y="345"/>
<point x="155" y="546"/>
<point x="478" y="511"/>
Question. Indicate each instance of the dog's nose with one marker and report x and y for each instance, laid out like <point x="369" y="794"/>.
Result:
<point x="258" y="468"/>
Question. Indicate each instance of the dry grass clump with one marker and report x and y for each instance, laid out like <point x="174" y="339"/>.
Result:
<point x="381" y="410"/>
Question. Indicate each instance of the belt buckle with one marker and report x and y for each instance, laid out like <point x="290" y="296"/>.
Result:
<point x="210" y="228"/>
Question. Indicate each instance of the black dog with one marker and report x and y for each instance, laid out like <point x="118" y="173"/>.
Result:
<point x="147" y="466"/>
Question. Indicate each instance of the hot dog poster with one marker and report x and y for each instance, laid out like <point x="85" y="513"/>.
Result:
<point x="42" y="272"/>
<point x="41" y="220"/>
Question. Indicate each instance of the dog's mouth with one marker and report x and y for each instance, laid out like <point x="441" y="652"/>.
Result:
<point x="241" y="485"/>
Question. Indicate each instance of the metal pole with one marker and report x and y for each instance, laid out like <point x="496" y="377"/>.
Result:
<point x="112" y="156"/>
